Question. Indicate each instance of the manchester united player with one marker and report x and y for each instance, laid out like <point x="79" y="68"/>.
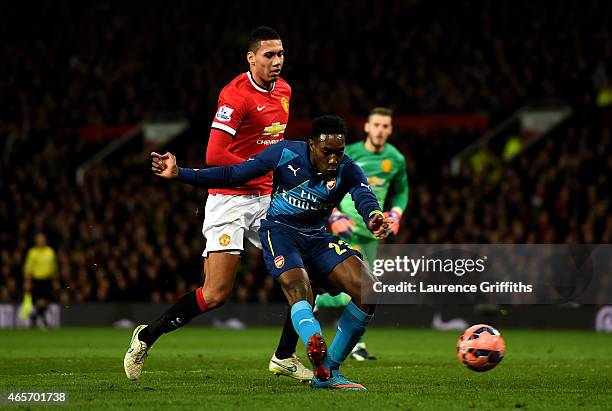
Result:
<point x="252" y="114"/>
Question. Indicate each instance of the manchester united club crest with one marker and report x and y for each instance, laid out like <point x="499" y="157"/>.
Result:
<point x="224" y="240"/>
<point x="386" y="165"/>
<point x="279" y="261"/>
<point x="285" y="104"/>
<point x="331" y="184"/>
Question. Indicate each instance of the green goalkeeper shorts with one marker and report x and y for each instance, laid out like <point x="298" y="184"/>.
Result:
<point x="328" y="301"/>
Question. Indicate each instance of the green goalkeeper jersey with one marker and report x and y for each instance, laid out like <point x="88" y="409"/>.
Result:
<point x="384" y="170"/>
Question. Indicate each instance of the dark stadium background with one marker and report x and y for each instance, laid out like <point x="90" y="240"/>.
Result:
<point x="76" y="76"/>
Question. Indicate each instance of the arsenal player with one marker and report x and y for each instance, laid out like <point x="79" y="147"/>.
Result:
<point x="252" y="114"/>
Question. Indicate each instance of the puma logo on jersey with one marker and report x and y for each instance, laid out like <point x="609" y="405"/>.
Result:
<point x="259" y="108"/>
<point x="306" y="320"/>
<point x="295" y="170"/>
<point x="366" y="186"/>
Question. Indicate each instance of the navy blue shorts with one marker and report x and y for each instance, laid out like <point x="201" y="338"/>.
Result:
<point x="285" y="248"/>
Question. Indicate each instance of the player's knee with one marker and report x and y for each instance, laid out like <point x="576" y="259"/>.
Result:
<point x="367" y="308"/>
<point x="216" y="297"/>
<point x="296" y="288"/>
<point x="297" y="292"/>
<point x="362" y="287"/>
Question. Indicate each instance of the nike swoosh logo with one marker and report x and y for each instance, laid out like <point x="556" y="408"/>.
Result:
<point x="290" y="369"/>
<point x="259" y="108"/>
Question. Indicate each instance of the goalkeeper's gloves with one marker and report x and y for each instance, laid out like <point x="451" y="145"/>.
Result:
<point x="396" y="216"/>
<point x="340" y="223"/>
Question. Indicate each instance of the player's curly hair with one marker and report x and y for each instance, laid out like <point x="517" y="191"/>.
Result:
<point x="328" y="124"/>
<point x="260" y="34"/>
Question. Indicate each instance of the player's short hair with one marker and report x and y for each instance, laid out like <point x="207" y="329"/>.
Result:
<point x="260" y="34"/>
<point x="381" y="111"/>
<point x="328" y="124"/>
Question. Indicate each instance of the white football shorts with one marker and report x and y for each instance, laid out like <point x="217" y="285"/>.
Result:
<point x="229" y="219"/>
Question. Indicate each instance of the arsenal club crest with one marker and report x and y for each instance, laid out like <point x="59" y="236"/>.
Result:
<point x="331" y="184"/>
<point x="279" y="261"/>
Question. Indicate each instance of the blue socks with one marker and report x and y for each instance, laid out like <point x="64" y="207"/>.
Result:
<point x="304" y="321"/>
<point x="352" y="325"/>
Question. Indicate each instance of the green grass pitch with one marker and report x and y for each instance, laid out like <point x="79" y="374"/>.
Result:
<point x="200" y="368"/>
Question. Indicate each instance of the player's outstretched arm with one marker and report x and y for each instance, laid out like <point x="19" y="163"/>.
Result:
<point x="217" y="177"/>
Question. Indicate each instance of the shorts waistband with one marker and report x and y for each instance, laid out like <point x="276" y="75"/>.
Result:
<point x="248" y="196"/>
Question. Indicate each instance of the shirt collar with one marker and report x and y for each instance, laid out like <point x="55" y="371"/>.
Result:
<point x="258" y="87"/>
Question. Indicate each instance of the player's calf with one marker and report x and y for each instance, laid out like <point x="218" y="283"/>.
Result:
<point x="216" y="297"/>
<point x="180" y="314"/>
<point x="219" y="276"/>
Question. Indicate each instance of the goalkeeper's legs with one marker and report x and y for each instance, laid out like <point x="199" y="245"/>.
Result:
<point x="367" y="248"/>
<point x="332" y="301"/>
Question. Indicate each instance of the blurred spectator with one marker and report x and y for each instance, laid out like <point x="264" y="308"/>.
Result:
<point x="485" y="164"/>
<point x="40" y="278"/>
<point x="512" y="148"/>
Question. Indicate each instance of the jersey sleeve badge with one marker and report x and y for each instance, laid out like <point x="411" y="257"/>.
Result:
<point x="224" y="114"/>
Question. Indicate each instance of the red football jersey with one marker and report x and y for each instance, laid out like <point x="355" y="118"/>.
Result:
<point x="256" y="118"/>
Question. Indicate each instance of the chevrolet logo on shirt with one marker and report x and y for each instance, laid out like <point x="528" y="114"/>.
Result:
<point x="376" y="181"/>
<point x="274" y="130"/>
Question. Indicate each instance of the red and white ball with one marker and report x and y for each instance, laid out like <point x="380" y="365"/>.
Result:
<point x="481" y="348"/>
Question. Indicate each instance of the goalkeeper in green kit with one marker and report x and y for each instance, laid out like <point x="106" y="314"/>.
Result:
<point x="385" y="168"/>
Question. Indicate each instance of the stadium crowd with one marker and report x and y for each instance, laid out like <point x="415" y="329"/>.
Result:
<point x="68" y="65"/>
<point x="123" y="236"/>
<point x="557" y="192"/>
